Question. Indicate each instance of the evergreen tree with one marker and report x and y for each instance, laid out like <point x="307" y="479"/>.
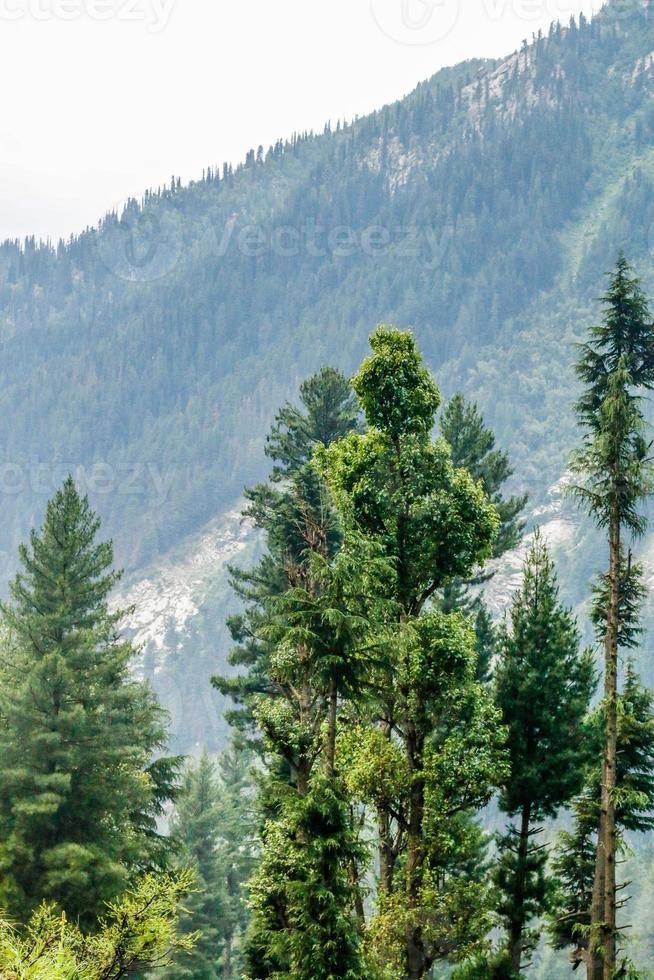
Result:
<point x="213" y="829"/>
<point x="297" y="640"/>
<point x="436" y="739"/>
<point x="195" y="828"/>
<point x="297" y="520"/>
<point x="543" y="685"/>
<point x="80" y="793"/>
<point x="615" y="473"/>
<point x="328" y="411"/>
<point x="576" y="849"/>
<point x="309" y="849"/>
<point x="238" y="849"/>
<point x="472" y="445"/>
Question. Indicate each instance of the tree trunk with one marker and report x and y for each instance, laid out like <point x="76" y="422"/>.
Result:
<point x="386" y="848"/>
<point x="385" y="853"/>
<point x="330" y="755"/>
<point x="416" y="959"/>
<point x="518" y="921"/>
<point x="602" y="960"/>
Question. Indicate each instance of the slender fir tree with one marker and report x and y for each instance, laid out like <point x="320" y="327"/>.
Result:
<point x="576" y="850"/>
<point x="80" y="793"/>
<point x="543" y="685"/>
<point x="238" y="849"/>
<point x="615" y="477"/>
<point x="296" y="641"/>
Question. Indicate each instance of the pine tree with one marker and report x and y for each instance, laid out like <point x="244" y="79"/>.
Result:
<point x="138" y="932"/>
<point x="195" y="828"/>
<point x="308" y="851"/>
<point x="297" y="520"/>
<point x="238" y="848"/>
<point x="328" y="411"/>
<point x="543" y="685"/>
<point x="615" y="474"/>
<point x="296" y="639"/>
<point x="576" y="849"/>
<point x="472" y="445"/>
<point x="80" y="793"/>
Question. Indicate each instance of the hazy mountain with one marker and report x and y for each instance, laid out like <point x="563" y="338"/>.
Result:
<point x="150" y="354"/>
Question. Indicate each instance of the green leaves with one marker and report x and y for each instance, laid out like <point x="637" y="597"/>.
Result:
<point x="432" y="520"/>
<point x="137" y="932"/>
<point x="397" y="393"/>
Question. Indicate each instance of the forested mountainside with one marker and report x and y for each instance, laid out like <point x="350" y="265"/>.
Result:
<point x="481" y="210"/>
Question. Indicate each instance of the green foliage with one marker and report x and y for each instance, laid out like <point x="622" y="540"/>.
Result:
<point x="492" y="966"/>
<point x="402" y="489"/>
<point x="301" y="639"/>
<point x="80" y="794"/>
<point x="396" y="391"/>
<point x="543" y="686"/>
<point x="310" y="848"/>
<point x="621" y="343"/>
<point x="435" y="741"/>
<point x="138" y="931"/>
<point x="632" y="594"/>
<point x="297" y="520"/>
<point x="574" y="863"/>
<point x="617" y="476"/>
<point x="196" y="830"/>
<point x="614" y="463"/>
<point x="329" y="411"/>
<point x="213" y="829"/>
<point x="472" y="445"/>
<point x="615" y="363"/>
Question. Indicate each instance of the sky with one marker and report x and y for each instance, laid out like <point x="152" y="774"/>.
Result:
<point x="105" y="98"/>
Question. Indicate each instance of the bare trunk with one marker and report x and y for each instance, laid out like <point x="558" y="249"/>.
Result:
<point x="386" y="847"/>
<point x="417" y="964"/>
<point x="385" y="853"/>
<point x="518" y="923"/>
<point x="330" y="755"/>
<point x="602" y="959"/>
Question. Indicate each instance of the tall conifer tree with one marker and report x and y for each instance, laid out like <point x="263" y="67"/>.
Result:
<point x="295" y="638"/>
<point x="80" y="793"/>
<point x="543" y="685"/>
<point x="616" y="364"/>
<point x="195" y="828"/>
<point x="576" y="850"/>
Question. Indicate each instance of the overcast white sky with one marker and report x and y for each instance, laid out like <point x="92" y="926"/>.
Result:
<point x="104" y="98"/>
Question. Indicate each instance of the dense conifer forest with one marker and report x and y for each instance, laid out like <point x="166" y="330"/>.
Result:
<point x="416" y="739"/>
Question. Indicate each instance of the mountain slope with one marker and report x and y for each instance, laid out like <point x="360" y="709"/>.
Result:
<point x="149" y="355"/>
